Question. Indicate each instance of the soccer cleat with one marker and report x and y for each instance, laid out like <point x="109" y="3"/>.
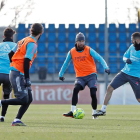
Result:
<point x="69" y="114"/>
<point x="18" y="123"/>
<point x="99" y="113"/>
<point x="1" y="119"/>
<point x="95" y="117"/>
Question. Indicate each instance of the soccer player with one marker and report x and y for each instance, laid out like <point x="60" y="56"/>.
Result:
<point x="21" y="58"/>
<point x="5" y="47"/>
<point x="130" y="73"/>
<point x="86" y="74"/>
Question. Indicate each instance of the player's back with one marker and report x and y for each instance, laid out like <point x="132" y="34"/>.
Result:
<point x="5" y="48"/>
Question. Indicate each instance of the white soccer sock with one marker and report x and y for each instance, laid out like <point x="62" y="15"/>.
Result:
<point x="16" y="120"/>
<point x="94" y="111"/>
<point x="73" y="107"/>
<point x="0" y="103"/>
<point x="103" y="108"/>
<point x="2" y="117"/>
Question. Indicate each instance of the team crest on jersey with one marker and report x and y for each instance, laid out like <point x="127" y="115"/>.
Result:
<point x="95" y="84"/>
<point x="137" y="83"/>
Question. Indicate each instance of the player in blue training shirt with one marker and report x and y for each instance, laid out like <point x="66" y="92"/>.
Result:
<point x="5" y="47"/>
<point x="130" y="73"/>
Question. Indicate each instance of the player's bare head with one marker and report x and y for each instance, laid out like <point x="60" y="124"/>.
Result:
<point x="36" y="29"/>
<point x="80" y="41"/>
<point x="8" y="33"/>
<point x="135" y="38"/>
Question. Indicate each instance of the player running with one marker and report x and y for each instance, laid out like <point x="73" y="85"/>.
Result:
<point x="130" y="73"/>
<point x="86" y="74"/>
<point x="21" y="58"/>
<point x="5" y="47"/>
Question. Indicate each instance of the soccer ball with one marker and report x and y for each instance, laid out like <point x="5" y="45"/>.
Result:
<point x="78" y="113"/>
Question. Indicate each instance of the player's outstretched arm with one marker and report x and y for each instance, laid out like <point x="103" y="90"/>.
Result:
<point x="31" y="49"/>
<point x="26" y="72"/>
<point x="64" y="67"/>
<point x="96" y="56"/>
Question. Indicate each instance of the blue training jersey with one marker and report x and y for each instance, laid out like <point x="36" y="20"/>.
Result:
<point x="93" y="53"/>
<point x="132" y="69"/>
<point x="5" y="48"/>
<point x="31" y="49"/>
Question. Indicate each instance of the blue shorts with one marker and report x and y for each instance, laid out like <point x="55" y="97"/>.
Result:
<point x="90" y="81"/>
<point x="18" y="83"/>
<point x="122" y="78"/>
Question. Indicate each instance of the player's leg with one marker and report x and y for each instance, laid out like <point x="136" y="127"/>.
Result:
<point x="138" y="99"/>
<point x="17" y="82"/>
<point x="7" y="88"/>
<point x="94" y="98"/>
<point x="93" y="101"/>
<point x="109" y="92"/>
<point x="91" y="81"/>
<point x="20" y="92"/>
<point x="15" y="101"/>
<point x="135" y="84"/>
<point x="76" y="90"/>
<point x="79" y="85"/>
<point x="24" y="108"/>
<point x="108" y="95"/>
<point x="119" y="80"/>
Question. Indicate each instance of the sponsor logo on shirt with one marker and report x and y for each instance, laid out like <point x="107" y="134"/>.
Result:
<point x="5" y="48"/>
<point x="80" y="58"/>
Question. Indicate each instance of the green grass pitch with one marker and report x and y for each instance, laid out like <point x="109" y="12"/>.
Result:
<point x="45" y="122"/>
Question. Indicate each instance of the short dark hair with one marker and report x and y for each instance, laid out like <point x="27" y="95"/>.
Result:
<point x="136" y="35"/>
<point x="9" y="32"/>
<point x="36" y="29"/>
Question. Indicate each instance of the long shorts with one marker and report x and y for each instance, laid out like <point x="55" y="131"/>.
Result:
<point x="90" y="81"/>
<point x="122" y="78"/>
<point x="6" y="85"/>
<point x="18" y="83"/>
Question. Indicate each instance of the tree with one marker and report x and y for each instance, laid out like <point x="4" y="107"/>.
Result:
<point x="2" y="3"/>
<point x="25" y="10"/>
